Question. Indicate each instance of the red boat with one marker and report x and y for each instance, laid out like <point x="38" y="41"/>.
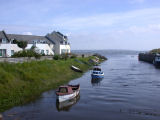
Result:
<point x="67" y="92"/>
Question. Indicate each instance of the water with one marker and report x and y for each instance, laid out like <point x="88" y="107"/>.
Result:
<point x="129" y="91"/>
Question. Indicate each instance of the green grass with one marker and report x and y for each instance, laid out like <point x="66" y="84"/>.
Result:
<point x="21" y="83"/>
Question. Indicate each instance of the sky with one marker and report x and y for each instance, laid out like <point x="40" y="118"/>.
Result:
<point x="89" y="24"/>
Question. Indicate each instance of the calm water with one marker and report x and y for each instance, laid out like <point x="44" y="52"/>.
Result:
<point x="130" y="90"/>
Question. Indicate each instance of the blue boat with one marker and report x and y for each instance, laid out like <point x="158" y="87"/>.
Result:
<point x="97" y="73"/>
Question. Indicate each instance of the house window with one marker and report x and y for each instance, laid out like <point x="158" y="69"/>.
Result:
<point x="47" y="52"/>
<point x="62" y="42"/>
<point x="12" y="52"/>
<point x="42" y="51"/>
<point x="63" y="51"/>
<point x="4" y="40"/>
<point x="2" y="52"/>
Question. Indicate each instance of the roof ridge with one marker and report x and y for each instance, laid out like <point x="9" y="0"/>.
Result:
<point x="26" y="35"/>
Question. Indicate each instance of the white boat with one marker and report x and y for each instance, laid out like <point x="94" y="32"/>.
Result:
<point x="76" y="69"/>
<point x="67" y="92"/>
<point x="66" y="105"/>
<point x="97" y="73"/>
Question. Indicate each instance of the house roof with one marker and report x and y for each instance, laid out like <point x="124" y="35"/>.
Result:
<point x="63" y="36"/>
<point x="3" y="35"/>
<point x="56" y="36"/>
<point x="28" y="38"/>
<point x="50" y="38"/>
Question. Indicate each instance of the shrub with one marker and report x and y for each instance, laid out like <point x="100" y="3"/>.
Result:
<point x="56" y="57"/>
<point x="43" y="54"/>
<point x="73" y="56"/>
<point x="64" y="56"/>
<point x="27" y="53"/>
<point x="22" y="44"/>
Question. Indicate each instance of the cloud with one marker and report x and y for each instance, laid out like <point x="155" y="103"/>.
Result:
<point x="108" y="20"/>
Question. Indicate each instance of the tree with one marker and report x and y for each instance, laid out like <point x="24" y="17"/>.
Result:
<point x="22" y="44"/>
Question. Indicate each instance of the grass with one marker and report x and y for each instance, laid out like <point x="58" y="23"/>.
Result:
<point x="22" y="82"/>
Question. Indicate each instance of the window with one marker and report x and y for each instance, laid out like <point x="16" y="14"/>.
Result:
<point x="3" y="52"/>
<point x="42" y="51"/>
<point x="63" y="51"/>
<point x="4" y="40"/>
<point x="0" y="52"/>
<point x="12" y="52"/>
<point x="47" y="52"/>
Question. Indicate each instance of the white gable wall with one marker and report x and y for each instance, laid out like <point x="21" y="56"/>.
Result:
<point x="65" y="49"/>
<point x="40" y="47"/>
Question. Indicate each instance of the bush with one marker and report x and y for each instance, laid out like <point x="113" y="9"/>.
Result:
<point x="64" y="56"/>
<point x="27" y="53"/>
<point x="73" y="56"/>
<point x="56" y="57"/>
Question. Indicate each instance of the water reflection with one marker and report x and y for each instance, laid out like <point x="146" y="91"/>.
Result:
<point x="96" y="81"/>
<point x="66" y="105"/>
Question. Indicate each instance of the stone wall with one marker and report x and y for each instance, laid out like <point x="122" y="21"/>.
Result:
<point x="24" y="59"/>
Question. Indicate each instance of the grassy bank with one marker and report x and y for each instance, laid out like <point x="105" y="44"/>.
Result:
<point x="23" y="82"/>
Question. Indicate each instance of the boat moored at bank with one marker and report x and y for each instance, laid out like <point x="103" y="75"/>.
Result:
<point x="67" y="92"/>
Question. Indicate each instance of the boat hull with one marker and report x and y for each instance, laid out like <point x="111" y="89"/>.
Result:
<point x="62" y="98"/>
<point x="66" y="105"/>
<point x="96" y="76"/>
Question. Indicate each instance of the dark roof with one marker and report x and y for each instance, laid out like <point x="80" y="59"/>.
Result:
<point x="61" y="35"/>
<point x="50" y="38"/>
<point x="28" y="38"/>
<point x="3" y="35"/>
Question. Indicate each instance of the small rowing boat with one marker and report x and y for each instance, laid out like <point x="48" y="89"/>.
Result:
<point x="76" y="69"/>
<point x="67" y="92"/>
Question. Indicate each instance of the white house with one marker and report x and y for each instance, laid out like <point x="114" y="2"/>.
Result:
<point x="54" y="43"/>
<point x="60" y="41"/>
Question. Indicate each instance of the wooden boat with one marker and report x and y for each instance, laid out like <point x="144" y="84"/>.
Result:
<point x="67" y="92"/>
<point x="97" y="73"/>
<point x="76" y="69"/>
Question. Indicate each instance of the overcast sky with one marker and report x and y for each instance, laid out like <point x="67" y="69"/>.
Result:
<point x="90" y="24"/>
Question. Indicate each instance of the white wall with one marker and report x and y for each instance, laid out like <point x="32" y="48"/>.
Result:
<point x="40" y="47"/>
<point x="66" y="47"/>
<point x="14" y="47"/>
<point x="7" y="47"/>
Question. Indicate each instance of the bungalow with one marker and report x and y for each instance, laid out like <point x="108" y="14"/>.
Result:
<point x="54" y="43"/>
